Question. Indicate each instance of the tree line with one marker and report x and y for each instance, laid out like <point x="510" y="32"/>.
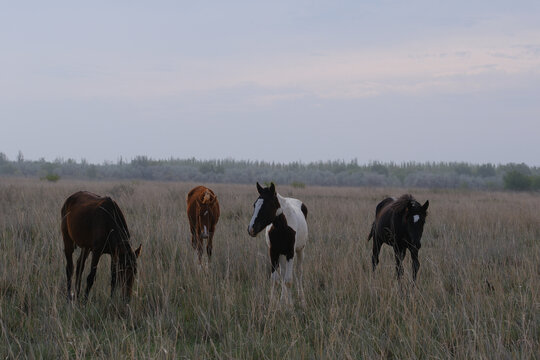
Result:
<point x="510" y="176"/>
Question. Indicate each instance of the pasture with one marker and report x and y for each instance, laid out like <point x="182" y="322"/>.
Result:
<point x="477" y="293"/>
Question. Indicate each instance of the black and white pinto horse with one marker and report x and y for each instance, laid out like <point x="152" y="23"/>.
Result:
<point x="399" y="223"/>
<point x="286" y="236"/>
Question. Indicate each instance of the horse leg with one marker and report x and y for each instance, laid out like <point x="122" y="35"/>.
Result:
<point x="298" y="276"/>
<point x="415" y="262"/>
<point x="285" y="267"/>
<point x="80" y="267"/>
<point x="69" y="247"/>
<point x="114" y="269"/>
<point x="193" y="237"/>
<point x="91" y="277"/>
<point x="209" y="245"/>
<point x="199" y="249"/>
<point x="274" y="274"/>
<point x="399" y="254"/>
<point x="68" y="251"/>
<point x="376" y="250"/>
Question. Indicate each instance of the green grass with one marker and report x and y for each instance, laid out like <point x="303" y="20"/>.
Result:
<point x="477" y="294"/>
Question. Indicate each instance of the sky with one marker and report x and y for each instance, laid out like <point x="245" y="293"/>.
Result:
<point x="277" y="81"/>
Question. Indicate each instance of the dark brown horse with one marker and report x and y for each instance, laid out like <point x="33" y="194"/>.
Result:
<point x="203" y="215"/>
<point x="399" y="223"/>
<point x="96" y="224"/>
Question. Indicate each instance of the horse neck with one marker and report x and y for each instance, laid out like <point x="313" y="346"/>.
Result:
<point x="283" y="204"/>
<point x="280" y="221"/>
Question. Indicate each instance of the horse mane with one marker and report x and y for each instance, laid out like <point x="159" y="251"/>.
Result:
<point x="401" y="203"/>
<point x="207" y="197"/>
<point x="120" y="216"/>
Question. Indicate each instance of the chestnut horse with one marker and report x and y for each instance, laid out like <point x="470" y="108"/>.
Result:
<point x="203" y="215"/>
<point x="96" y="224"/>
<point x="399" y="223"/>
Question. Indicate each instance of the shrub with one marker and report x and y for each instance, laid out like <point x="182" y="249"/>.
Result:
<point x="516" y="180"/>
<point x="298" y="184"/>
<point x="51" y="177"/>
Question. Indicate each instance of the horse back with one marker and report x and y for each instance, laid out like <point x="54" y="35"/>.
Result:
<point x="382" y="205"/>
<point x="382" y="221"/>
<point x="88" y="219"/>
<point x="199" y="193"/>
<point x="296" y="214"/>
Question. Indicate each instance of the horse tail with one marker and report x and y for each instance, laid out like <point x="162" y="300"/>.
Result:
<point x="372" y="232"/>
<point x="304" y="210"/>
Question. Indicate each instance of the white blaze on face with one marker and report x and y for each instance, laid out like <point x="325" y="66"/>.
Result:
<point x="205" y="230"/>
<point x="416" y="218"/>
<point x="258" y="205"/>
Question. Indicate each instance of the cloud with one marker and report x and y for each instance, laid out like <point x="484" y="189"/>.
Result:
<point x="474" y="58"/>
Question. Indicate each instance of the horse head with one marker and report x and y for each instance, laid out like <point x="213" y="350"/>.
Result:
<point x="127" y="268"/>
<point x="264" y="209"/>
<point x="414" y="219"/>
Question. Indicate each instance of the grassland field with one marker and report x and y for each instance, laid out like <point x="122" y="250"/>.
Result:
<point x="477" y="294"/>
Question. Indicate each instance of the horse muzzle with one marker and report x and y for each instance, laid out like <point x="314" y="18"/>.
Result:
<point x="251" y="231"/>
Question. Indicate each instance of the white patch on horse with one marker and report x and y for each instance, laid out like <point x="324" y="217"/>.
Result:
<point x="279" y="212"/>
<point x="416" y="218"/>
<point x="205" y="230"/>
<point x="205" y="213"/>
<point x="258" y="205"/>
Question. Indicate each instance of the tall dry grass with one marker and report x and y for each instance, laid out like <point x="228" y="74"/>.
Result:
<point x="477" y="294"/>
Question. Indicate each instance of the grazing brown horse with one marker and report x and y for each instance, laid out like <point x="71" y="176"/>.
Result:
<point x="203" y="215"/>
<point x="399" y="223"/>
<point x="96" y="224"/>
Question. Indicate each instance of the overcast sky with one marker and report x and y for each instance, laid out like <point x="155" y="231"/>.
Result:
<point x="272" y="80"/>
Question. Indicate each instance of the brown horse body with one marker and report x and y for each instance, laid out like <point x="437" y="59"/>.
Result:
<point x="96" y="224"/>
<point x="203" y="215"/>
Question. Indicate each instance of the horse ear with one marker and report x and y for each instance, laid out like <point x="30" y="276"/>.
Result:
<point x="426" y="205"/>
<point x="259" y="188"/>
<point x="272" y="188"/>
<point x="138" y="251"/>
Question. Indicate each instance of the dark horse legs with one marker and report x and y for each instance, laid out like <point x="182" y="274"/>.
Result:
<point x="92" y="275"/>
<point x="114" y="267"/>
<point x="415" y="262"/>
<point x="69" y="270"/>
<point x="209" y="245"/>
<point x="399" y="254"/>
<point x="80" y="268"/>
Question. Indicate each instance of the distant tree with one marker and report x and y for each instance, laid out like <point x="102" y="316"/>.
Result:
<point x="486" y="170"/>
<point x="91" y="172"/>
<point x="379" y="168"/>
<point x="516" y="180"/>
<point x="20" y="157"/>
<point x="141" y="160"/>
<point x="463" y="169"/>
<point x="521" y="168"/>
<point x="535" y="182"/>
